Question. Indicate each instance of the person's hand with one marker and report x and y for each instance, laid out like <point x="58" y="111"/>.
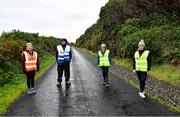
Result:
<point x="134" y="71"/>
<point x="148" y="73"/>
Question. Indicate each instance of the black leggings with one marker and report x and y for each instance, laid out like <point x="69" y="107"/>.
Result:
<point x="142" y="79"/>
<point x="105" y="73"/>
<point x="30" y="79"/>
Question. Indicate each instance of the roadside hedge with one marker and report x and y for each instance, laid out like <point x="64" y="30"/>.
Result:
<point x="12" y="44"/>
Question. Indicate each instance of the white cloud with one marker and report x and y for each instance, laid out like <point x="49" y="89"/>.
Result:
<point x="59" y="18"/>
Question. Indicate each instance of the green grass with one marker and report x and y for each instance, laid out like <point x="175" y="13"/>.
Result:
<point x="90" y="52"/>
<point x="167" y="73"/>
<point x="127" y="63"/>
<point x="11" y="92"/>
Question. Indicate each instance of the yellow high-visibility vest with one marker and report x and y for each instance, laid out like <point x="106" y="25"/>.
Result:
<point x="104" y="59"/>
<point x="141" y="61"/>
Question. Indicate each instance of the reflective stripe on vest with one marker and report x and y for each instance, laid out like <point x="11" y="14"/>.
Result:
<point x="141" y="61"/>
<point x="63" y="55"/>
<point x="104" y="59"/>
<point x="31" y="61"/>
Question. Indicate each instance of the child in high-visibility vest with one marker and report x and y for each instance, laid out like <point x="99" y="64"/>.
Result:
<point x="104" y="60"/>
<point x="142" y="66"/>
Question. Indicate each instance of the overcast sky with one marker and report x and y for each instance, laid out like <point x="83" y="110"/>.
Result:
<point x="58" y="18"/>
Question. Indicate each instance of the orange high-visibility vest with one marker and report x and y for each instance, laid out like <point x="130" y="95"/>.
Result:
<point x="31" y="61"/>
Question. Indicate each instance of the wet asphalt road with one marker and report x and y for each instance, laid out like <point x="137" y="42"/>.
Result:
<point x="86" y="96"/>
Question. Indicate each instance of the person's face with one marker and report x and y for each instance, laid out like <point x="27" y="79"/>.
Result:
<point x="103" y="48"/>
<point x="63" y="42"/>
<point x="141" y="47"/>
<point x="29" y="47"/>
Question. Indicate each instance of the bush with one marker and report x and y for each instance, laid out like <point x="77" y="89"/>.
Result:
<point x="124" y="23"/>
<point x="11" y="46"/>
<point x="8" y="77"/>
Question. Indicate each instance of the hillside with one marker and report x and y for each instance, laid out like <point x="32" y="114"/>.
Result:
<point x="123" y="23"/>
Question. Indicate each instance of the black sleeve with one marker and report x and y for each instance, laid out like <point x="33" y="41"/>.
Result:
<point x="70" y="54"/>
<point x="97" y="59"/>
<point x="134" y="63"/>
<point x="23" y="62"/>
<point x="110" y="57"/>
<point x="56" y="54"/>
<point x="149" y="62"/>
<point x="38" y="67"/>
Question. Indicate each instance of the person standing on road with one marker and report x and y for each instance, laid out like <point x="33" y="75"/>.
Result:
<point x="30" y="64"/>
<point x="104" y="60"/>
<point x="63" y="58"/>
<point x="142" y="66"/>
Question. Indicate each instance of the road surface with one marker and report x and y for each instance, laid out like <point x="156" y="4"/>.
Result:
<point x="86" y="96"/>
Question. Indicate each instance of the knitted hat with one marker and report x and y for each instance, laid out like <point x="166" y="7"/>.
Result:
<point x="103" y="45"/>
<point x="142" y="42"/>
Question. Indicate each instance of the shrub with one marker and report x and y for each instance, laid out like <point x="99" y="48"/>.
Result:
<point x="11" y="46"/>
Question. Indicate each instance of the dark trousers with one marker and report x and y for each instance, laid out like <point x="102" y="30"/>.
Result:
<point x="142" y="79"/>
<point x="105" y="73"/>
<point x="63" y="67"/>
<point x="30" y="79"/>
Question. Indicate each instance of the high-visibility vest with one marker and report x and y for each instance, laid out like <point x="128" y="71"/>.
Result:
<point x="104" y="59"/>
<point x="141" y="61"/>
<point x="31" y="61"/>
<point x="63" y="55"/>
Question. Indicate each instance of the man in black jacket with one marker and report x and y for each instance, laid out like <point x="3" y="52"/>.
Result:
<point x="63" y="58"/>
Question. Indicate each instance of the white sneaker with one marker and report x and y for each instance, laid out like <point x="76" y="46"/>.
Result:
<point x="58" y="83"/>
<point x="33" y="91"/>
<point x="142" y="95"/>
<point x="29" y="92"/>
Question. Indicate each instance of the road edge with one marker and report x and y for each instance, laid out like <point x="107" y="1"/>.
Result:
<point x="149" y="93"/>
<point x="23" y="87"/>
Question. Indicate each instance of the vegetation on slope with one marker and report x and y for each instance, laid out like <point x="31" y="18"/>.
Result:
<point x="123" y="23"/>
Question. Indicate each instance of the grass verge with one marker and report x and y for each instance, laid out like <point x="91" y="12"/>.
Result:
<point x="160" y="71"/>
<point x="11" y="92"/>
<point x="166" y="72"/>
